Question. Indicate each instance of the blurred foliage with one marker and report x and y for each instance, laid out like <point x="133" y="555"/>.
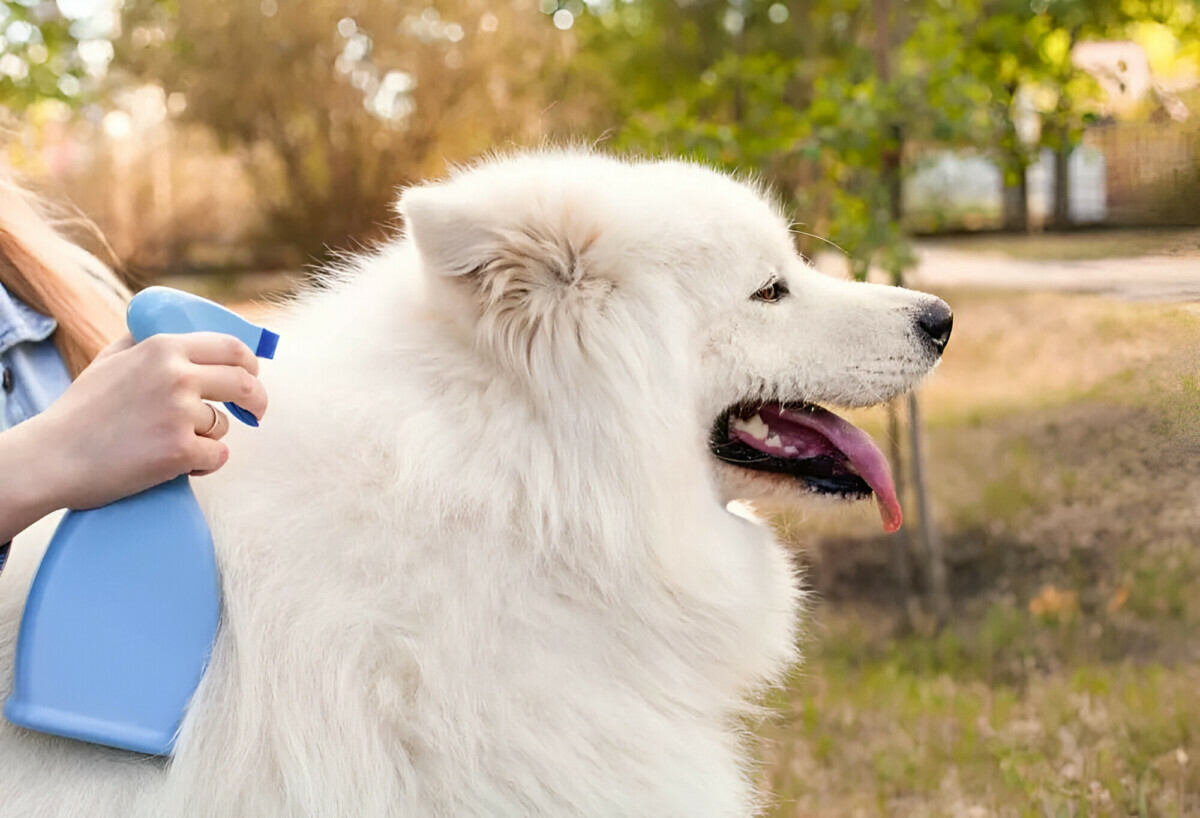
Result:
<point x="828" y="98"/>
<point x="332" y="103"/>
<point x="40" y="56"/>
<point x="335" y="103"/>
<point x="794" y="92"/>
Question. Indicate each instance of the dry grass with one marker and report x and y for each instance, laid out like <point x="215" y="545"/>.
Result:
<point x="1064" y="434"/>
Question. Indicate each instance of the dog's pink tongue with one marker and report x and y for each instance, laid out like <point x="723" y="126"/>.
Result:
<point x="859" y="449"/>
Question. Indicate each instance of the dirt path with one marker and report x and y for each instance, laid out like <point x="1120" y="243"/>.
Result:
<point x="1146" y="278"/>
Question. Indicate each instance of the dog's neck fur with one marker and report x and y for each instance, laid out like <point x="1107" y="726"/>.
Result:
<point x="608" y="416"/>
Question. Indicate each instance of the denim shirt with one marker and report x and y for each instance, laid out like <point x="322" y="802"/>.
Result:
<point x="32" y="373"/>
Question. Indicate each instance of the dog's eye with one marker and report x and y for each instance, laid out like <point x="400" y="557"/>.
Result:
<point x="771" y="293"/>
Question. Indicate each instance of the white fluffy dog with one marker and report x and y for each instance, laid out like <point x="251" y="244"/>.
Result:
<point x="477" y="561"/>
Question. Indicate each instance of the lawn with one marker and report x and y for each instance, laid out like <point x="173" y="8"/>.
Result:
<point x="1064" y="442"/>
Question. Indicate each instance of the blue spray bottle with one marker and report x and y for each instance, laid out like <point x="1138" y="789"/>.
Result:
<point x="123" y="611"/>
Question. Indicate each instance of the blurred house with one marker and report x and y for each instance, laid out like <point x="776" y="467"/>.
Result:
<point x="1138" y="162"/>
<point x="954" y="190"/>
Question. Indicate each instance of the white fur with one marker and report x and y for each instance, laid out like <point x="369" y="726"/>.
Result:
<point x="477" y="560"/>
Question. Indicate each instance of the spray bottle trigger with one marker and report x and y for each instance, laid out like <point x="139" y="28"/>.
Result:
<point x="241" y="414"/>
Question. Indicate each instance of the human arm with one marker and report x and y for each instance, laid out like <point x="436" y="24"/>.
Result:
<point x="131" y="420"/>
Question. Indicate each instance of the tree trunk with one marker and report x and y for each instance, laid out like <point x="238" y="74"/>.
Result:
<point x="900" y="551"/>
<point x="931" y="543"/>
<point x="893" y="156"/>
<point x="1016" y="194"/>
<point x="1062" y="184"/>
<point x="1060" y="122"/>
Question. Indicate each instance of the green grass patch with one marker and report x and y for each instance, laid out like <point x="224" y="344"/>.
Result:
<point x="925" y="727"/>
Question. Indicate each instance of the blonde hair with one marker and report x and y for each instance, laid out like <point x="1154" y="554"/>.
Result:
<point x="58" y="278"/>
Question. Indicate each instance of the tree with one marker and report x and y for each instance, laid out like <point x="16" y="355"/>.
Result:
<point x="335" y="103"/>
<point x="1007" y="47"/>
<point x="1073" y="92"/>
<point x="997" y="50"/>
<point x="791" y="91"/>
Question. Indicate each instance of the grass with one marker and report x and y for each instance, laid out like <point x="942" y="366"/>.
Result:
<point x="1064" y="441"/>
<point x="969" y="723"/>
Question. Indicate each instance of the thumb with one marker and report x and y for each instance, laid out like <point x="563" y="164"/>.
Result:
<point x="120" y="345"/>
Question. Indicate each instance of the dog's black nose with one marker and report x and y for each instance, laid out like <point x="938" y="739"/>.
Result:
<point x="936" y="319"/>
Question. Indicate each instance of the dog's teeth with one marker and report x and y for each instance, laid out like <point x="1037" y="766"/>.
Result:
<point x="774" y="440"/>
<point x="791" y="450"/>
<point x="755" y="427"/>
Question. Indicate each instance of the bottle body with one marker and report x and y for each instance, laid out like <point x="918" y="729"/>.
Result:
<point x="119" y="622"/>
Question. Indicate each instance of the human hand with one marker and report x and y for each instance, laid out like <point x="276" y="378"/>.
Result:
<point x="137" y="417"/>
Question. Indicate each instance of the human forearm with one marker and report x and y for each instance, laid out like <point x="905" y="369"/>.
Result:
<point x="29" y="476"/>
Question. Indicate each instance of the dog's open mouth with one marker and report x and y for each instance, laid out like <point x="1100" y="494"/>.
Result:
<point x="827" y="454"/>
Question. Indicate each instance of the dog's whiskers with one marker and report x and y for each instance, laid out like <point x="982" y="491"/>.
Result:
<point x="832" y="244"/>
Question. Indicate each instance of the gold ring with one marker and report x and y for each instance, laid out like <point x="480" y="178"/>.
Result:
<point x="213" y="425"/>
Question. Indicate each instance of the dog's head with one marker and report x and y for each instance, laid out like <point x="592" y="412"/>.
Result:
<point x="683" y="280"/>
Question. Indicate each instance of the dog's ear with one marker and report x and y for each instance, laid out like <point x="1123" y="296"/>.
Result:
<point x="531" y="270"/>
<point x="451" y="232"/>
<point x="457" y="235"/>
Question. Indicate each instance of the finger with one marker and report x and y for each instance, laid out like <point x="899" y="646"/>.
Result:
<point x="207" y="456"/>
<point x="121" y="344"/>
<point x="210" y="421"/>
<point x="219" y="349"/>
<point x="233" y="384"/>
